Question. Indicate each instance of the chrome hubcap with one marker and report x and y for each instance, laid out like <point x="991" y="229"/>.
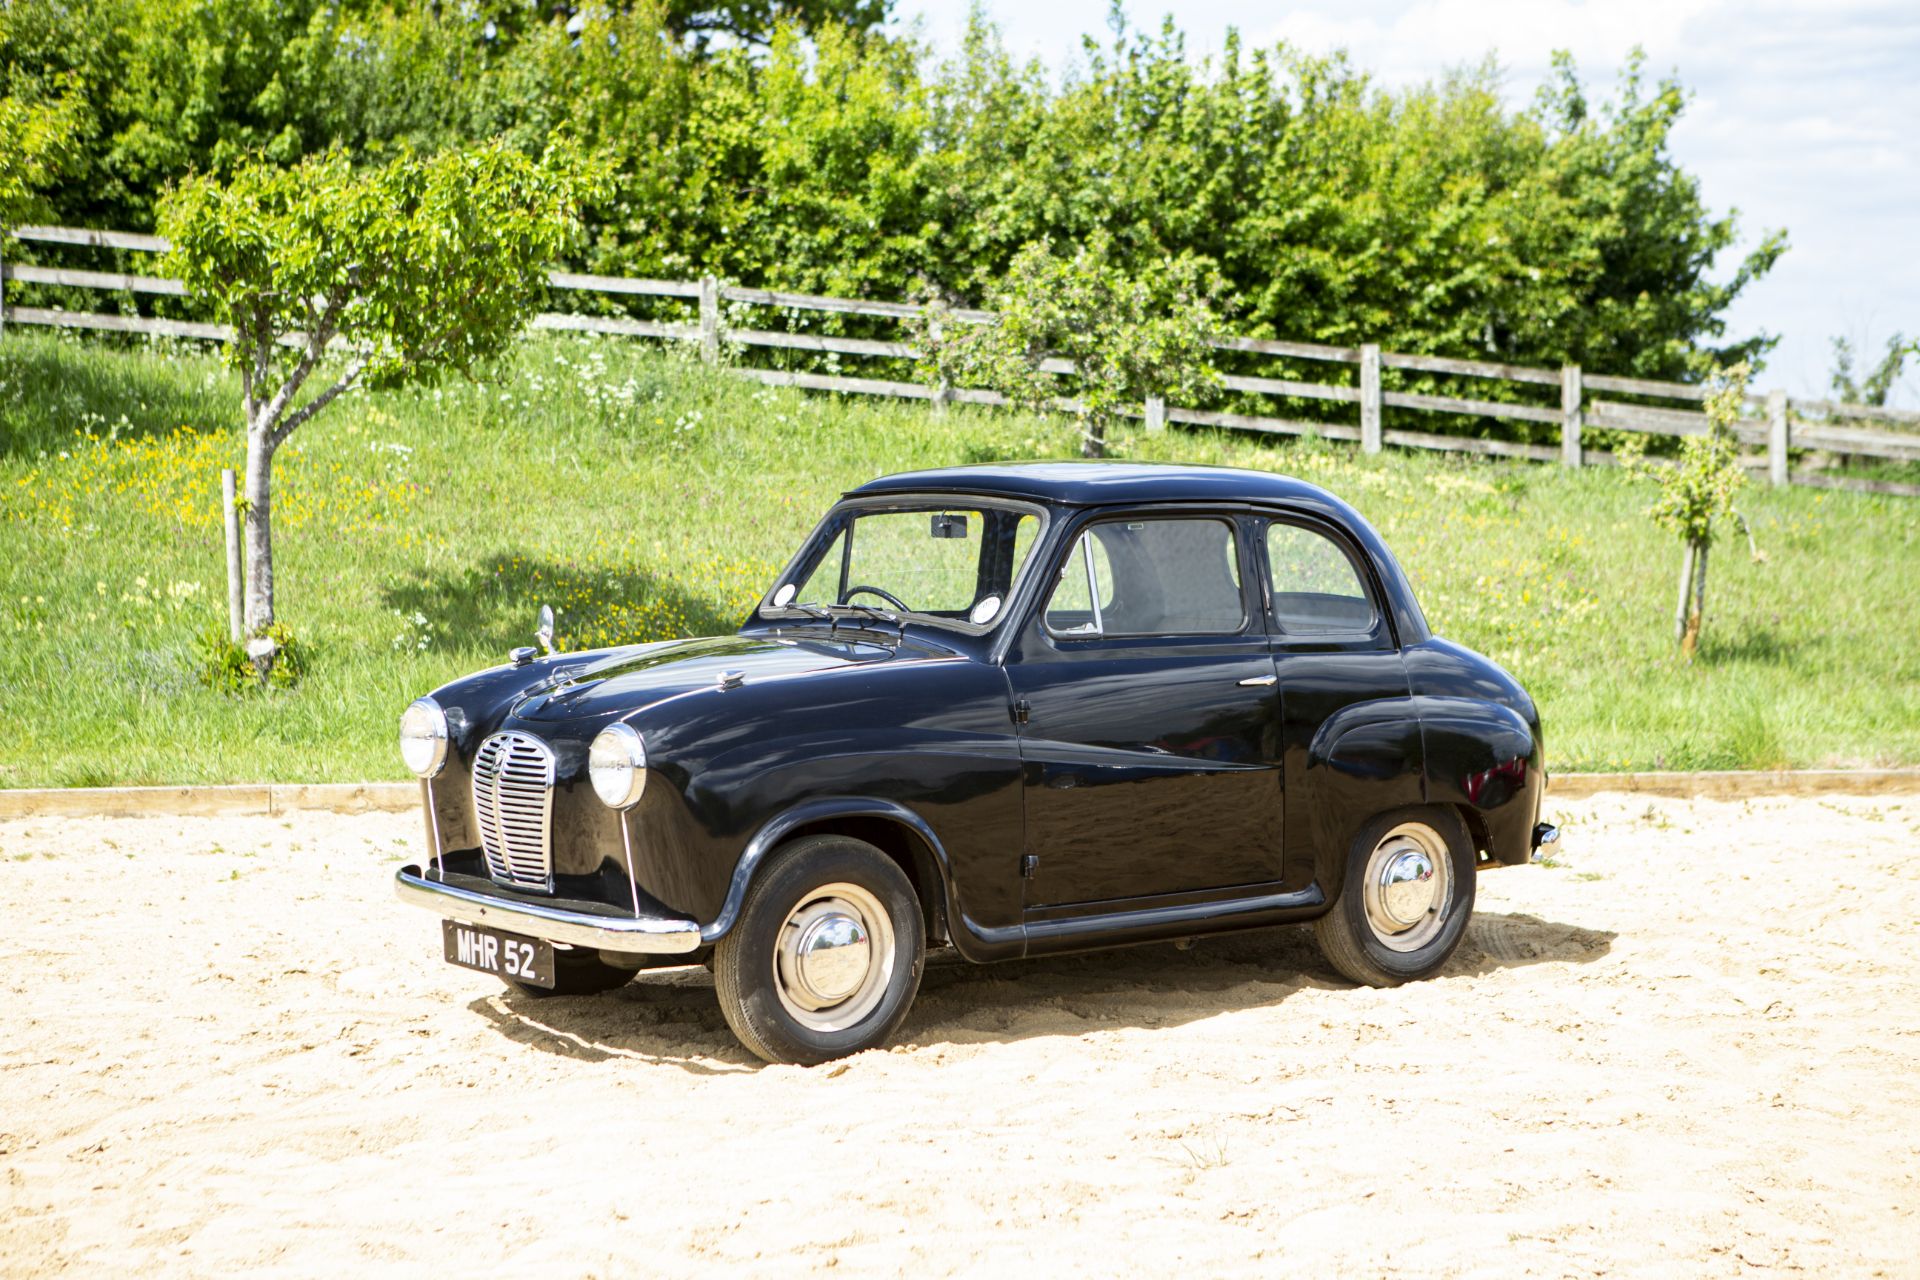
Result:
<point x="834" y="957"/>
<point x="1408" y="887"/>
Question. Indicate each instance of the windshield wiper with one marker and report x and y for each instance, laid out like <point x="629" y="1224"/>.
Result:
<point x="831" y="614"/>
<point x="839" y="611"/>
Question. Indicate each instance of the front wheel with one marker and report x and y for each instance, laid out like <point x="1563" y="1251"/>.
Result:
<point x="1406" y="900"/>
<point x="826" y="956"/>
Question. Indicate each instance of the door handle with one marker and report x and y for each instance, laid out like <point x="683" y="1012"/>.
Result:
<point x="1259" y="682"/>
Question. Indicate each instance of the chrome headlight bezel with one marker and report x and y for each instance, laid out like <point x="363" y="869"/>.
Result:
<point x="423" y="737"/>
<point x="617" y="766"/>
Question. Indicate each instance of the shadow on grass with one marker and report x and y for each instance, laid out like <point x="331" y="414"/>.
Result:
<point x="493" y="603"/>
<point x="57" y="388"/>
<point x="669" y="1016"/>
<point x="1763" y="645"/>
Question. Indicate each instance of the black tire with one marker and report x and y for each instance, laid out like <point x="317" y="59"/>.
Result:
<point x="1362" y="946"/>
<point x="755" y="1000"/>
<point x="577" y="973"/>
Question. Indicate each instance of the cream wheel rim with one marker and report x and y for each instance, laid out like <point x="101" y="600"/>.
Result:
<point x="834" y="957"/>
<point x="1407" y="888"/>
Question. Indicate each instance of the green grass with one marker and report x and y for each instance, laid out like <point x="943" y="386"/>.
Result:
<point x="646" y="497"/>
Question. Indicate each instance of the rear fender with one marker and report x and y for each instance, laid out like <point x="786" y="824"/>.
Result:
<point x="1364" y="759"/>
<point x="1485" y="758"/>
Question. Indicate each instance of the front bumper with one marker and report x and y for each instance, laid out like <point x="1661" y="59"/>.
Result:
<point x="647" y="935"/>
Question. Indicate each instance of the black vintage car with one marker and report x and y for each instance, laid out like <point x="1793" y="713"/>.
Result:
<point x="1007" y="709"/>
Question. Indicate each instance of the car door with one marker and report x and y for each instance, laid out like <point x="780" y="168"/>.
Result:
<point x="1333" y="648"/>
<point x="1150" y="743"/>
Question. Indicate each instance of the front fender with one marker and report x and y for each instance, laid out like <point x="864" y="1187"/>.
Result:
<point x="806" y="813"/>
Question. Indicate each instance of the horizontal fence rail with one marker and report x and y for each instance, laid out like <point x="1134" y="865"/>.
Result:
<point x="1783" y="430"/>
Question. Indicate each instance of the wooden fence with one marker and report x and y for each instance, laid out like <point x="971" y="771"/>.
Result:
<point x="1781" y="431"/>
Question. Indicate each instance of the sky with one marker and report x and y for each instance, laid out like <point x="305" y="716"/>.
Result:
<point x="1805" y="115"/>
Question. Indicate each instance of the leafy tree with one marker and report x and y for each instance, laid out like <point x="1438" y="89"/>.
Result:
<point x="756" y="21"/>
<point x="1696" y="496"/>
<point x="412" y="269"/>
<point x="789" y="144"/>
<point x="39" y="145"/>
<point x="1876" y="385"/>
<point x="1113" y="339"/>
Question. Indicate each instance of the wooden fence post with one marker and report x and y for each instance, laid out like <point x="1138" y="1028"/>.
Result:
<point x="709" y="319"/>
<point x="230" y="516"/>
<point x="1778" y="438"/>
<point x="1571" y="395"/>
<point x="1156" y="413"/>
<point x="1370" y="398"/>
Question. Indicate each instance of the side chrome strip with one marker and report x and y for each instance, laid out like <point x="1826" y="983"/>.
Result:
<point x="645" y="934"/>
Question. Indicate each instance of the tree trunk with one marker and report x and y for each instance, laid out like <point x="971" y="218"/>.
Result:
<point x="259" y="532"/>
<point x="1093" y="437"/>
<point x="1696" y="603"/>
<point x="1686" y="593"/>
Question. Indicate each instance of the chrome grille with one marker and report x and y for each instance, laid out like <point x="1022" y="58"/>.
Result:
<point x="513" y="804"/>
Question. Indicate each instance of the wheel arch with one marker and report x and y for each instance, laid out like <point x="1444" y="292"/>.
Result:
<point x="897" y="831"/>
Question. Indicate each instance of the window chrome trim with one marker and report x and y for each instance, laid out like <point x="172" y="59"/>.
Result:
<point x="1231" y="517"/>
<point x="1093" y="581"/>
<point x="1376" y="634"/>
<point x="766" y="610"/>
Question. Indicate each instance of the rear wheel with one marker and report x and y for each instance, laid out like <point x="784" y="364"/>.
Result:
<point x="826" y="956"/>
<point x="1406" y="901"/>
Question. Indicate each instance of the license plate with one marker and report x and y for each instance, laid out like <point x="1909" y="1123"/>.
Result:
<point x="504" y="955"/>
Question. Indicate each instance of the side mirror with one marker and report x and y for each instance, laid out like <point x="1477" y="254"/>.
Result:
<point x="543" y="632"/>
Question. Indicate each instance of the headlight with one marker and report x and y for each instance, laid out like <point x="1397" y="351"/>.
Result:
<point x="423" y="737"/>
<point x="617" y="766"/>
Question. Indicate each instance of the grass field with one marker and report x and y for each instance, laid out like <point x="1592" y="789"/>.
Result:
<point x="647" y="497"/>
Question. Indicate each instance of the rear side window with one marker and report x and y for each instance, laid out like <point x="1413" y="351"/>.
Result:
<point x="1150" y="578"/>
<point x="1317" y="588"/>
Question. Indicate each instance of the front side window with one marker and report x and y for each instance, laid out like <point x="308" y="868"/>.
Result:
<point x="1150" y="578"/>
<point x="954" y="564"/>
<point x="1317" y="589"/>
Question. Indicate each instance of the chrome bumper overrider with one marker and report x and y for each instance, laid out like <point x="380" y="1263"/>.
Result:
<point x="1544" y="834"/>
<point x="650" y="934"/>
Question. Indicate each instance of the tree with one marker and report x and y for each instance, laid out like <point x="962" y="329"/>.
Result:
<point x="1696" y="494"/>
<point x="1079" y="327"/>
<point x="755" y="21"/>
<point x="379" y="277"/>
<point x="39" y="143"/>
<point x="1877" y="384"/>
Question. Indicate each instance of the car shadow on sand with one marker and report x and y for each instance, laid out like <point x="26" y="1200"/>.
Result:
<point x="670" y="1017"/>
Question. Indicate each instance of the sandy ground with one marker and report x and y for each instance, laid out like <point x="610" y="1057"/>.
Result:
<point x="1692" y="1048"/>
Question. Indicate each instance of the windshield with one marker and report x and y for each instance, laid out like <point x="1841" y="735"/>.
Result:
<point x="951" y="564"/>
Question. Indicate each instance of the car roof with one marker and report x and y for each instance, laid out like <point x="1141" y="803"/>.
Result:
<point x="1088" y="484"/>
<point x="1098" y="484"/>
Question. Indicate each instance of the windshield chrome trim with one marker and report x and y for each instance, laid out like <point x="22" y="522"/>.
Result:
<point x="767" y="611"/>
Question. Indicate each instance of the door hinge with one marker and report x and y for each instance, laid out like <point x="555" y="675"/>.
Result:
<point x="1029" y="865"/>
<point x="1021" y="710"/>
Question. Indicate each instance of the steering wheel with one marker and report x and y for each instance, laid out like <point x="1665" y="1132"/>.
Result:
<point x="847" y="596"/>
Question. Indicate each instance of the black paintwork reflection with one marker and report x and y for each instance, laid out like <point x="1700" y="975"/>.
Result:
<point x="1161" y="796"/>
<point x="1148" y="770"/>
